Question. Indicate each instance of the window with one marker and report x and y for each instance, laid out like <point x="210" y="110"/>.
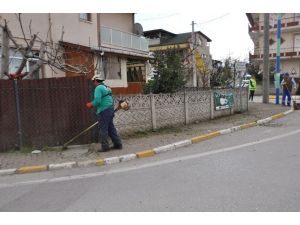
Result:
<point x="85" y="16"/>
<point x="15" y="59"/>
<point x="297" y="42"/>
<point x="199" y="42"/>
<point x="110" y="66"/>
<point x="297" y="17"/>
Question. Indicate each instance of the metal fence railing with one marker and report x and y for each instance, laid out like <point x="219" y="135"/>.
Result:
<point x="118" y="38"/>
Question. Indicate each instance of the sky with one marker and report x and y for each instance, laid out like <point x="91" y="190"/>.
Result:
<point x="227" y="30"/>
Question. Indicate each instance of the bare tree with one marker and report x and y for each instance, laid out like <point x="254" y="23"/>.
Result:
<point x="55" y="55"/>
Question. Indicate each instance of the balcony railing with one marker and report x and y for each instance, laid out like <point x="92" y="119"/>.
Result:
<point x="284" y="52"/>
<point x="115" y="38"/>
<point x="285" y="23"/>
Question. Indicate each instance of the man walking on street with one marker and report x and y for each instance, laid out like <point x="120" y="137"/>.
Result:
<point x="287" y="84"/>
<point x="103" y="102"/>
<point x="252" y="87"/>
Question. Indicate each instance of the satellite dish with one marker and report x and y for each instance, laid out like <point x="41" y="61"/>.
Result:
<point x="138" y="29"/>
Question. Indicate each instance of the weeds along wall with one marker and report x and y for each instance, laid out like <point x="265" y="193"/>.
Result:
<point x="49" y="112"/>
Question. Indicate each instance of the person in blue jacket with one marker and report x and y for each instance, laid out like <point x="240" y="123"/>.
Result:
<point x="103" y="102"/>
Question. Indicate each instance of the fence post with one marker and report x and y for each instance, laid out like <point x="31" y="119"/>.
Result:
<point x="232" y="108"/>
<point x="212" y="116"/>
<point x="153" y="113"/>
<point x="186" y="107"/>
<point x="17" y="99"/>
<point x="241" y="100"/>
<point x="247" y="94"/>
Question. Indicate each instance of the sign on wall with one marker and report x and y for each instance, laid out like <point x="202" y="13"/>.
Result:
<point x="223" y="101"/>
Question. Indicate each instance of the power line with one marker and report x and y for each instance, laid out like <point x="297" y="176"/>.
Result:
<point x="216" y="18"/>
<point x="159" y="17"/>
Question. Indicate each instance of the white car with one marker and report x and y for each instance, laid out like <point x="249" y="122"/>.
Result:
<point x="245" y="83"/>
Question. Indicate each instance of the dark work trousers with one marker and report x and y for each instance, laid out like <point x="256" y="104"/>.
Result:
<point x="107" y="129"/>
<point x="251" y="95"/>
<point x="286" y="93"/>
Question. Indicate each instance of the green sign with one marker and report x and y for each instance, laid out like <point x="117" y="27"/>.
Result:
<point x="223" y="101"/>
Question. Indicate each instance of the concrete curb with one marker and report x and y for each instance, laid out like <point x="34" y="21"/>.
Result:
<point x="140" y="154"/>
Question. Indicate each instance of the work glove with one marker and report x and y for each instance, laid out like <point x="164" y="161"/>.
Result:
<point x="89" y="105"/>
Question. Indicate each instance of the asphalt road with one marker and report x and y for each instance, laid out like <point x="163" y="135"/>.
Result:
<point x="256" y="169"/>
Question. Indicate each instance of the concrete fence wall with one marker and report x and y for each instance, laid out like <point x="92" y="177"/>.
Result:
<point x="156" y="111"/>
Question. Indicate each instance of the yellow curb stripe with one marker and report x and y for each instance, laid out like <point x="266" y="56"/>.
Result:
<point x="277" y="116"/>
<point x="247" y="125"/>
<point x="31" y="169"/>
<point x="205" y="137"/>
<point x="280" y="96"/>
<point x="146" y="153"/>
<point x="100" y="162"/>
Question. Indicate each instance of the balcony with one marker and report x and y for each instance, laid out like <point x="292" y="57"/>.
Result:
<point x="115" y="39"/>
<point x="286" y="24"/>
<point x="285" y="53"/>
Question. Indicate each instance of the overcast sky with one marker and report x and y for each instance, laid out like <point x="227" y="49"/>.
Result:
<point x="227" y="30"/>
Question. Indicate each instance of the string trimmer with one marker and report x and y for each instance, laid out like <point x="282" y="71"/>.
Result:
<point x="123" y="104"/>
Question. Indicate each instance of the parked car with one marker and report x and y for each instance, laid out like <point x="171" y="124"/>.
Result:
<point x="246" y="80"/>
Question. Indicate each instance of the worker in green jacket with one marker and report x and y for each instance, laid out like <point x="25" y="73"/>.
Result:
<point x="252" y="87"/>
<point x="103" y="102"/>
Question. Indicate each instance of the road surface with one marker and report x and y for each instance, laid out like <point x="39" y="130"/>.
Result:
<point x="256" y="169"/>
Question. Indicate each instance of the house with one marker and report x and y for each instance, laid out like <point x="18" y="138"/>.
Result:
<point x="160" y="39"/>
<point x="290" y="41"/>
<point x="107" y="43"/>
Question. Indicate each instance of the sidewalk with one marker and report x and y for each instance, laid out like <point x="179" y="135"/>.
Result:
<point x="140" y="142"/>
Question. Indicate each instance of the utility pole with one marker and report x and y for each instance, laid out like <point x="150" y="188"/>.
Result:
<point x="266" y="59"/>
<point x="277" y="75"/>
<point x="5" y="53"/>
<point x="193" y="56"/>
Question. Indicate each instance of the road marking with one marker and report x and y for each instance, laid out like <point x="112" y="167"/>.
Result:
<point x="147" y="165"/>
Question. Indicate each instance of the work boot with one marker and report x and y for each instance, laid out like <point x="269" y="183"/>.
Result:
<point x="104" y="149"/>
<point x="117" y="147"/>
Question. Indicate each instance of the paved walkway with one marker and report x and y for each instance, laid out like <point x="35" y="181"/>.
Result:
<point x="148" y="140"/>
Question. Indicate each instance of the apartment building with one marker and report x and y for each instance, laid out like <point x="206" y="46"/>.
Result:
<point x="105" y="43"/>
<point x="290" y="41"/>
<point x="160" y="39"/>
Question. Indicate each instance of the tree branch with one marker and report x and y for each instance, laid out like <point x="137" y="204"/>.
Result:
<point x="26" y="56"/>
<point x="21" y="25"/>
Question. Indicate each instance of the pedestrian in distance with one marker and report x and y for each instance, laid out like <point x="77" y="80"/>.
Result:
<point x="103" y="103"/>
<point x="252" y="87"/>
<point x="287" y="84"/>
